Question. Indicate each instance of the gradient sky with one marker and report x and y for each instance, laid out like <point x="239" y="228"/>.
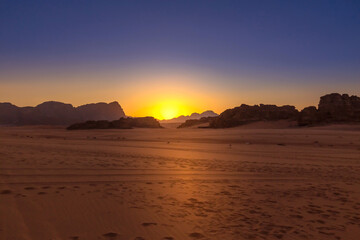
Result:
<point x="197" y="55"/>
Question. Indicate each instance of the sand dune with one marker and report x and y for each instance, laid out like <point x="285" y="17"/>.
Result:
<point x="180" y="183"/>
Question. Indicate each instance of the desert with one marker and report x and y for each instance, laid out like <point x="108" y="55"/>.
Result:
<point x="238" y="183"/>
<point x="179" y="120"/>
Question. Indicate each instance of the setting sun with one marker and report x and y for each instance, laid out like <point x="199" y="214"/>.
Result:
<point x="167" y="109"/>
<point x="169" y="112"/>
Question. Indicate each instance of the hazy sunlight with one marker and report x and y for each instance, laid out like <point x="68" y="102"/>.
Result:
<point x="169" y="109"/>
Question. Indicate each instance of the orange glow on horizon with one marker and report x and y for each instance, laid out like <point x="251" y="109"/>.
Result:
<point x="163" y="93"/>
<point x="168" y="109"/>
<point x="169" y="112"/>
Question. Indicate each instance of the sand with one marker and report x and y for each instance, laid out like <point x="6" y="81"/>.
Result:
<point x="180" y="183"/>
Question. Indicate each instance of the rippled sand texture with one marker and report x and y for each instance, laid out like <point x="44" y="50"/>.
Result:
<point x="179" y="184"/>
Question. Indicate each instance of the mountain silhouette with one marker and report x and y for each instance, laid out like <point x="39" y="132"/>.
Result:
<point x="122" y="123"/>
<point x="58" y="113"/>
<point x="182" y="118"/>
<point x="332" y="108"/>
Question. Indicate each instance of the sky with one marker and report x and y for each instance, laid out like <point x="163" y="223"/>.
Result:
<point x="165" y="58"/>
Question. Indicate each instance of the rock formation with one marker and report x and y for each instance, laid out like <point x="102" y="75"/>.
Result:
<point x="339" y="108"/>
<point x="182" y="119"/>
<point x="122" y="123"/>
<point x="247" y="114"/>
<point x="57" y="113"/>
<point x="9" y="114"/>
<point x="308" y="116"/>
<point x="332" y="108"/>
<point x="103" y="111"/>
<point x="194" y="122"/>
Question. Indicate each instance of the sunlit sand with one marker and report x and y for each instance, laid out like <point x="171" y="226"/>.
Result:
<point x="180" y="184"/>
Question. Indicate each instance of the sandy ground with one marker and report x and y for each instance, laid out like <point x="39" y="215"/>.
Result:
<point x="180" y="183"/>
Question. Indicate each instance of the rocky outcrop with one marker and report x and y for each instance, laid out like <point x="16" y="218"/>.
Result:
<point x="54" y="113"/>
<point x="122" y="123"/>
<point x="9" y="113"/>
<point x="247" y="114"/>
<point x="339" y="108"/>
<point x="104" y="111"/>
<point x="57" y="113"/>
<point x="308" y="116"/>
<point x="332" y="108"/>
<point x="182" y="119"/>
<point x="194" y="122"/>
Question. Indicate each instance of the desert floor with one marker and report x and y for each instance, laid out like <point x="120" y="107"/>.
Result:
<point x="180" y="183"/>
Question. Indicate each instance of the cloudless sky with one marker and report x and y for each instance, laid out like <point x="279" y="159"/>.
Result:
<point x="235" y="51"/>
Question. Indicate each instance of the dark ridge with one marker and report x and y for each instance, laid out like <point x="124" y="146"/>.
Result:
<point x="57" y="113"/>
<point x="332" y="108"/>
<point x="247" y="114"/>
<point x="194" y="122"/>
<point x="197" y="116"/>
<point x="122" y="123"/>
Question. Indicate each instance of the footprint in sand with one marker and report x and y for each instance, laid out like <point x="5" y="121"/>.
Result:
<point x="149" y="224"/>
<point x="296" y="216"/>
<point x="20" y="195"/>
<point x="7" y="191"/>
<point x="110" y="235"/>
<point x="196" y="235"/>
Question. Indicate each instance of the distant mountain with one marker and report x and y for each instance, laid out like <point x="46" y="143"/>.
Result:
<point x="101" y="111"/>
<point x="182" y="119"/>
<point x="58" y="113"/>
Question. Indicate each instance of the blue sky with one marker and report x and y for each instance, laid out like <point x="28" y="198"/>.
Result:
<point x="299" y="42"/>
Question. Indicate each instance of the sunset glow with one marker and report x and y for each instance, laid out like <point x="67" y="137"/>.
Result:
<point x="168" y="109"/>
<point x="169" y="112"/>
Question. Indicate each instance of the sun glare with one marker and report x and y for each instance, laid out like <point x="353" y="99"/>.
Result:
<point x="169" y="112"/>
<point x="168" y="109"/>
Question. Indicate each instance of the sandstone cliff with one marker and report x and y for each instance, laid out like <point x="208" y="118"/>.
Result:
<point x="332" y="108"/>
